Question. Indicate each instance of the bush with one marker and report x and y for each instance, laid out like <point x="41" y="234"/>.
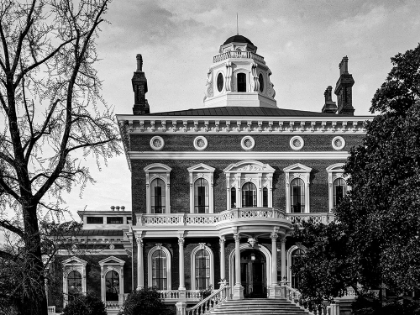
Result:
<point x="144" y="302"/>
<point x="85" y="305"/>
<point x="370" y="305"/>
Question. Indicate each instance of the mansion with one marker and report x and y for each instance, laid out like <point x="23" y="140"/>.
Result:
<point x="217" y="190"/>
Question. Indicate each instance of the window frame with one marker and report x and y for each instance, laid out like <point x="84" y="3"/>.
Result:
<point x="112" y="263"/>
<point x="335" y="171"/>
<point x="168" y="265"/>
<point x="193" y="266"/>
<point x="253" y="195"/>
<point x="297" y="171"/>
<point x="260" y="174"/>
<point x="73" y="264"/>
<point x="242" y="74"/>
<point x="289" y="255"/>
<point x="163" y="172"/>
<point x="197" y="172"/>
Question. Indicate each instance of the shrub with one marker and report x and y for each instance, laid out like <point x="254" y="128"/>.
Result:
<point x="85" y="305"/>
<point x="144" y="302"/>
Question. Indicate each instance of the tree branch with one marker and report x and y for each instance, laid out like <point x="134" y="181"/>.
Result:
<point x="12" y="228"/>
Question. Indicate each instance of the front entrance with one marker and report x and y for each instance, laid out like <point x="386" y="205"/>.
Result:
<point x="253" y="274"/>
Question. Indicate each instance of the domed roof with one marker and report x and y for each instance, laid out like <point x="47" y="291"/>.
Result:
<point x="238" y="39"/>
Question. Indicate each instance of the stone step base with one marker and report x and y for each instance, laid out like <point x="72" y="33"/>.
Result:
<point x="258" y="307"/>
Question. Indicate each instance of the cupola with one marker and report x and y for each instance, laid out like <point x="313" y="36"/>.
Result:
<point x="239" y="77"/>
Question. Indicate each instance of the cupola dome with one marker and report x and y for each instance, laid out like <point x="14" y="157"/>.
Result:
<point x="238" y="39"/>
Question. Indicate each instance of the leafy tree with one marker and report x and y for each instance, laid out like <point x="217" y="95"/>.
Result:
<point x="382" y="212"/>
<point x="52" y="111"/>
<point x="145" y="302"/>
<point x="376" y="238"/>
<point x="85" y="305"/>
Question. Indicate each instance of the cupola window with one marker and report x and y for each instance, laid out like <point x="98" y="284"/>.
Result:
<point x="220" y="82"/>
<point x="261" y="80"/>
<point x="241" y="77"/>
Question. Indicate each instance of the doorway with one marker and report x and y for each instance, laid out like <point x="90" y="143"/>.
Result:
<point x="253" y="274"/>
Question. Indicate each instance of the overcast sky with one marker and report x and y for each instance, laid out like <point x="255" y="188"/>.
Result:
<point x="302" y="42"/>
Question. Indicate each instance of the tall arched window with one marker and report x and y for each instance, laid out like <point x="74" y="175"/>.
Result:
<point x="202" y="270"/>
<point x="249" y="195"/>
<point x="112" y="285"/>
<point x="159" y="270"/>
<point x="295" y="278"/>
<point x="241" y="77"/>
<point x="157" y="196"/>
<point x="339" y="190"/>
<point x="74" y="284"/>
<point x="233" y="197"/>
<point x="297" y="195"/>
<point x="265" y="197"/>
<point x="201" y="196"/>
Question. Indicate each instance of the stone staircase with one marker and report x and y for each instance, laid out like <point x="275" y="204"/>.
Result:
<point x="258" y="307"/>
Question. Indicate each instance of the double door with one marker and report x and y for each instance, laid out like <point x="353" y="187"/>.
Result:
<point x="253" y="274"/>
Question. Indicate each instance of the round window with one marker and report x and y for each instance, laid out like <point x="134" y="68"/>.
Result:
<point x="247" y="143"/>
<point x="338" y="143"/>
<point x="261" y="79"/>
<point x="220" y="82"/>
<point x="157" y="143"/>
<point x="296" y="143"/>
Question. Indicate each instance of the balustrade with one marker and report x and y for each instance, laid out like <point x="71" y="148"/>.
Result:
<point x="295" y="297"/>
<point x="209" y="303"/>
<point x="238" y="54"/>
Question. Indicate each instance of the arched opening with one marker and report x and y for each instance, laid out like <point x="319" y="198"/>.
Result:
<point x="74" y="285"/>
<point x="112" y="285"/>
<point x="253" y="274"/>
<point x="157" y="196"/>
<point x="201" y="196"/>
<point x="296" y="254"/>
<point x="202" y="269"/>
<point x="241" y="78"/>
<point x="233" y="197"/>
<point x="249" y="195"/>
<point x="159" y="270"/>
<point x="339" y="190"/>
<point x="261" y="81"/>
<point x="297" y="195"/>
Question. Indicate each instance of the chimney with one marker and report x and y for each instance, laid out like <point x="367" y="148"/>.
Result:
<point x="343" y="89"/>
<point x="329" y="105"/>
<point x="139" y="81"/>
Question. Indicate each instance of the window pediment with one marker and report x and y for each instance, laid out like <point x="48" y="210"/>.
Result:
<point x="157" y="168"/>
<point x="201" y="168"/>
<point x="111" y="260"/>
<point x="297" y="168"/>
<point x="249" y="167"/>
<point x="74" y="261"/>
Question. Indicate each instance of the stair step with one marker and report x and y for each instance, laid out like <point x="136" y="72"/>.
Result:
<point x="258" y="307"/>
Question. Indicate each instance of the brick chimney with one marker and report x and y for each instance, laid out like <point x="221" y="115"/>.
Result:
<point x="343" y="89"/>
<point x="329" y="105"/>
<point x="139" y="81"/>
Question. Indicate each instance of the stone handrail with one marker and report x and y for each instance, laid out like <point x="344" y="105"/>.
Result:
<point x="323" y="217"/>
<point x="208" y="218"/>
<point x="51" y="310"/>
<point x="238" y="54"/>
<point x="295" y="297"/>
<point x="210" y="302"/>
<point x="190" y="295"/>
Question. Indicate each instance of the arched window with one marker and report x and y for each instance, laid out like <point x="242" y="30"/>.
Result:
<point x="297" y="253"/>
<point x="112" y="285"/>
<point x="157" y="196"/>
<point x="241" y="77"/>
<point x="202" y="270"/>
<point x="74" y="284"/>
<point x="261" y="80"/>
<point x="297" y="195"/>
<point x="265" y="197"/>
<point x="201" y="196"/>
<point x="233" y="197"/>
<point x="249" y="195"/>
<point x="159" y="270"/>
<point x="339" y="190"/>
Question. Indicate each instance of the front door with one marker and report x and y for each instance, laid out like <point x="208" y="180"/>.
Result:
<point x="253" y="275"/>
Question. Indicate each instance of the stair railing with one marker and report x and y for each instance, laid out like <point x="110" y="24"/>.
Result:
<point x="295" y="297"/>
<point x="210" y="302"/>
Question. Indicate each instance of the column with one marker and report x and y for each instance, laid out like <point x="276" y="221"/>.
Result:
<point x="181" y="241"/>
<point x="283" y="260"/>
<point x="275" y="288"/>
<point x="140" y="264"/>
<point x="222" y="259"/>
<point x="238" y="290"/>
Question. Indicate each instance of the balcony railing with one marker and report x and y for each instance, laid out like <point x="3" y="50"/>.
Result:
<point x="238" y="54"/>
<point x="177" y="295"/>
<point x="323" y="217"/>
<point x="209" y="218"/>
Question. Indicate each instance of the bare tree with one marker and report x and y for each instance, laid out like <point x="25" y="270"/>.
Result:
<point x="51" y="113"/>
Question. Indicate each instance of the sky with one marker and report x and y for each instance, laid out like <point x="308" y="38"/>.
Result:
<point x="302" y="42"/>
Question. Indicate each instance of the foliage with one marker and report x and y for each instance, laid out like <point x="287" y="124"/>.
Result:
<point x="50" y="111"/>
<point x="367" y="304"/>
<point x="146" y="302"/>
<point x="326" y="269"/>
<point x="376" y="238"/>
<point x="85" y="305"/>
